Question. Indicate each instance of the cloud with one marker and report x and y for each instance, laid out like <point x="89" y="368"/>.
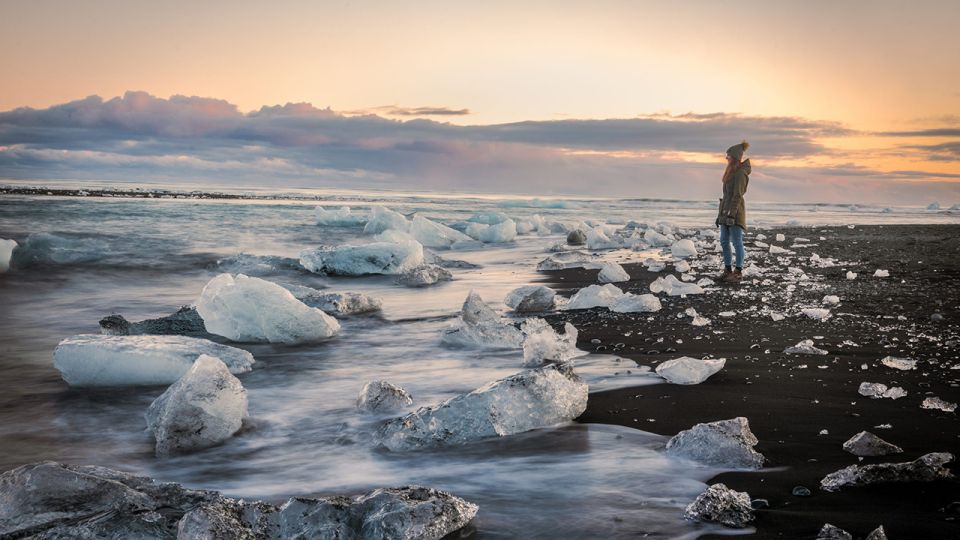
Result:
<point x="393" y="110"/>
<point x="139" y="136"/>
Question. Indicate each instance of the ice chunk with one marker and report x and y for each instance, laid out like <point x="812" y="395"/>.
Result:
<point x="781" y="238"/>
<point x="53" y="500"/>
<point x="817" y="314"/>
<point x="903" y="364"/>
<point x="656" y="239"/>
<point x="686" y="370"/>
<point x="595" y="296"/>
<point x="435" y="235"/>
<point x="866" y="444"/>
<point x="681" y="266"/>
<point x="504" y="231"/>
<point x="202" y="409"/>
<point x="939" y="404"/>
<point x="726" y="443"/>
<point x="383" y="218"/>
<point x="777" y="250"/>
<point x="252" y="310"/>
<point x="340" y="304"/>
<point x="341" y="217"/>
<point x="851" y="275"/>
<point x="831" y="300"/>
<point x="720" y="504"/>
<point x="479" y="325"/>
<point x="635" y="303"/>
<point x="926" y="468"/>
<point x="674" y="287"/>
<point x="700" y="321"/>
<point x="6" y="253"/>
<point x="880" y="390"/>
<point x="683" y="248"/>
<point x="531" y="298"/>
<point x="831" y="532"/>
<point x="881" y="273"/>
<point x="752" y="270"/>
<point x="569" y="259"/>
<point x="612" y="272"/>
<point x="655" y="266"/>
<point x="933" y="206"/>
<point x="488" y="218"/>
<point x="357" y="260"/>
<point x="705" y="282"/>
<point x="98" y="360"/>
<point x="542" y="343"/>
<point x="528" y="400"/>
<point x="598" y="239"/>
<point x="423" y="275"/>
<point x="383" y="396"/>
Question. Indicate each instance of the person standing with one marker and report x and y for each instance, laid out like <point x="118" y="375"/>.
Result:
<point x="732" y="216"/>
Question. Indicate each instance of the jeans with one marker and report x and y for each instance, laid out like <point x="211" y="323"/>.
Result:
<point x="730" y="233"/>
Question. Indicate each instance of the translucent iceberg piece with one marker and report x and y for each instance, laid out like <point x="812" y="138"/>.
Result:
<point x="569" y="259"/>
<point x="505" y="231"/>
<point x="423" y="275"/>
<point x="656" y="239"/>
<point x="686" y="370"/>
<point x="598" y="239"/>
<point x="612" y="272"/>
<point x="727" y="443"/>
<point x="682" y="249"/>
<point x="6" y="253"/>
<point x="253" y="310"/>
<point x="527" y="400"/>
<point x="98" y="360"/>
<point x="339" y="217"/>
<point x="383" y="396"/>
<point x="903" y="364"/>
<point x="542" y="343"/>
<point x="720" y="504"/>
<point x="383" y="218"/>
<point x="481" y="326"/>
<point x="595" y="296"/>
<point x="817" y="314"/>
<point x="635" y="303"/>
<point x="804" y="347"/>
<point x="340" y="304"/>
<point x="867" y="444"/>
<point x="435" y="235"/>
<point x="357" y="260"/>
<point x="531" y="298"/>
<point x="202" y="409"/>
<point x="674" y="287"/>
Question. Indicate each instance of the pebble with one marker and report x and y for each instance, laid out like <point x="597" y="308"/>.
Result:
<point x="800" y="491"/>
<point x="756" y="504"/>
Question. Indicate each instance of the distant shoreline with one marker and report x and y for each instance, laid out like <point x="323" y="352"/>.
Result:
<point x="139" y="193"/>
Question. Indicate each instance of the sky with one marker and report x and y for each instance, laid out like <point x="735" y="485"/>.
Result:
<point x="841" y="101"/>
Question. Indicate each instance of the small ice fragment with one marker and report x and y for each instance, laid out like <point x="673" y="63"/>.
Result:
<point x="781" y="238"/>
<point x="903" y="364"/>
<point x="682" y="267"/>
<point x="686" y="370"/>
<point x="542" y="343"/>
<point x="340" y="217"/>
<point x="777" y="250"/>
<point x="531" y="298"/>
<point x="851" y="275"/>
<point x="804" y="347"/>
<point x="479" y="325"/>
<point x="823" y="432"/>
<point x="383" y="218"/>
<point x="674" y="287"/>
<point x="383" y="396"/>
<point x="700" y="321"/>
<point x="881" y="273"/>
<point x="424" y="275"/>
<point x="683" y="248"/>
<point x="706" y="282"/>
<point x="690" y="312"/>
<point x="872" y="390"/>
<point x="937" y="403"/>
<point x="831" y="300"/>
<point x="595" y="296"/>
<point x="6" y="253"/>
<point x="727" y="313"/>
<point x="725" y="443"/>
<point x="395" y="254"/>
<point x="776" y="316"/>
<point x="635" y="303"/>
<point x="612" y="272"/>
<point x="818" y="314"/>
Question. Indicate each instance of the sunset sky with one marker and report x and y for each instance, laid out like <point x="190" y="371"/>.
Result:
<point x="841" y="101"/>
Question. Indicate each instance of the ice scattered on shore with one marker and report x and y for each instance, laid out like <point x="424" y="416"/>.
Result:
<point x="705" y="282"/>
<point x="654" y="265"/>
<point x="528" y="400"/>
<point x="383" y="396"/>
<point x="881" y="273"/>
<point x="939" y="404"/>
<point x="481" y="326"/>
<point x="597" y="239"/>
<point x="541" y="343"/>
<point x="674" y="287"/>
<point x="817" y="314"/>
<point x="681" y="267"/>
<point x="831" y="300"/>
<point x="569" y="259"/>
<point x="777" y="250"/>
<point x="6" y="253"/>
<point x="436" y="235"/>
<point x="635" y="303"/>
<point x="781" y="238"/>
<point x="686" y="370"/>
<point x="340" y="304"/>
<point x="683" y="248"/>
<point x="725" y="443"/>
<point x="903" y="364"/>
<point x="383" y="219"/>
<point x="383" y="257"/>
<point x="880" y="390"/>
<point x="612" y="272"/>
<point x="202" y="409"/>
<point x="252" y="310"/>
<point x="655" y="239"/>
<point x="531" y="298"/>
<point x="340" y="217"/>
<point x="98" y="360"/>
<point x="504" y="231"/>
<point x="926" y="468"/>
<point x="424" y="275"/>
<point x="866" y="444"/>
<point x="720" y="504"/>
<point x="851" y="275"/>
<point x="804" y="347"/>
<point x="594" y="296"/>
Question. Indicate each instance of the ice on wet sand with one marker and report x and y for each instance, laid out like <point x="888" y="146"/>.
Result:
<point x="686" y="370"/>
<point x="683" y="249"/>
<point x="938" y="404"/>
<point x="880" y="390"/>
<point x="528" y="400"/>
<point x="423" y="275"/>
<point x="635" y="303"/>
<point x="674" y="287"/>
<point x="479" y="325"/>
<point x="531" y="298"/>
<point x="252" y="310"/>
<point x="594" y="296"/>
<point x="383" y="396"/>
<point x="382" y="257"/>
<point x="804" y="347"/>
<point x="612" y="272"/>
<point x="340" y="303"/>
<point x="926" y="468"/>
<point x="202" y="409"/>
<point x="436" y="235"/>
<point x="541" y="343"/>
<point x="903" y="364"/>
<point x="99" y="360"/>
<point x="817" y="314"/>
<point x="726" y="443"/>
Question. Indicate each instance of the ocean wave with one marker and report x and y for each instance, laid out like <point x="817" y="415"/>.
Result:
<point x="45" y="249"/>
<point x="537" y="203"/>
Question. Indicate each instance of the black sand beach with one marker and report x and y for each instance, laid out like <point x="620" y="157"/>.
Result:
<point x="790" y="399"/>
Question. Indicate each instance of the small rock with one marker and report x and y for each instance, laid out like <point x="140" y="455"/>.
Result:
<point x="757" y="504"/>
<point x="577" y="238"/>
<point x="877" y="534"/>
<point x="726" y="443"/>
<point x="801" y="491"/>
<point x="926" y="468"/>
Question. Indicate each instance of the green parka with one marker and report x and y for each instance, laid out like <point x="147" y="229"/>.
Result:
<point x="733" y="211"/>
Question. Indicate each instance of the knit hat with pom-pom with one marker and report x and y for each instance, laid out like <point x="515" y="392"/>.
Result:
<point x="736" y="151"/>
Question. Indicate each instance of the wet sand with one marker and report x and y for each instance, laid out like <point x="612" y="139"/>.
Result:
<point x="788" y="405"/>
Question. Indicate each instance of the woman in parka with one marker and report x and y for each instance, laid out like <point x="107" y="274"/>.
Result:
<point x="732" y="217"/>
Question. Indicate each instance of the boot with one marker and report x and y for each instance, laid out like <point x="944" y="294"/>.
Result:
<point x="725" y="274"/>
<point x="734" y="277"/>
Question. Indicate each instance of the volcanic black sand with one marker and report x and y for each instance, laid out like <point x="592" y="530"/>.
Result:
<point x="789" y="399"/>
